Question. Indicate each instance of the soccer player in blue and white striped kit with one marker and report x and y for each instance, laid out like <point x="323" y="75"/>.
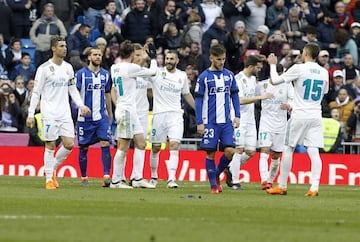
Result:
<point x="215" y="91"/>
<point x="94" y="84"/>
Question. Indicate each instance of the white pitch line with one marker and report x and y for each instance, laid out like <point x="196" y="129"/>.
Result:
<point x="13" y="216"/>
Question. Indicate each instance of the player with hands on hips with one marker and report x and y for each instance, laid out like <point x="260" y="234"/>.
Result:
<point x="311" y="82"/>
<point x="54" y="81"/>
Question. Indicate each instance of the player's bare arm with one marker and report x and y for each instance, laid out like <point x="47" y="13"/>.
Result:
<point x="248" y="100"/>
<point x="236" y="123"/>
<point x="190" y="100"/>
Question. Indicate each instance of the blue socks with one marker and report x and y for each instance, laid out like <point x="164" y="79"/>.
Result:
<point x="106" y="159"/>
<point x="83" y="161"/>
<point x="224" y="162"/>
<point x="211" y="171"/>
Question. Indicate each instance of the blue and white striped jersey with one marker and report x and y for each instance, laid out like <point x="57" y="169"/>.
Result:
<point x="214" y="89"/>
<point x="93" y="87"/>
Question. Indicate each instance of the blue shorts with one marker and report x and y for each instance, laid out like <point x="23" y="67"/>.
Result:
<point x="214" y="133"/>
<point x="89" y="133"/>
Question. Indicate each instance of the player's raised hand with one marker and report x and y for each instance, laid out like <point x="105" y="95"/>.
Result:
<point x="272" y="59"/>
<point x="84" y="111"/>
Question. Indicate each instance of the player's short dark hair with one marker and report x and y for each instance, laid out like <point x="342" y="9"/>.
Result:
<point x="217" y="50"/>
<point x="252" y="60"/>
<point x="126" y="48"/>
<point x="173" y="52"/>
<point x="313" y="49"/>
<point x="91" y="49"/>
<point x="55" y="39"/>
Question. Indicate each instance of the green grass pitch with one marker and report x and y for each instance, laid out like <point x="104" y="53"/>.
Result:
<point x="28" y="212"/>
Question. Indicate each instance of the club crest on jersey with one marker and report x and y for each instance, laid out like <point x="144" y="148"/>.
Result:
<point x="52" y="69"/>
<point x="280" y="91"/>
<point x="163" y="74"/>
<point x="179" y="80"/>
<point x="244" y="81"/>
<point x="265" y="85"/>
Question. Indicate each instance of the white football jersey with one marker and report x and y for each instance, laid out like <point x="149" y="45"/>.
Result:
<point x="142" y="102"/>
<point x="247" y="88"/>
<point x="167" y="89"/>
<point x="273" y="118"/>
<point x="311" y="82"/>
<point x="52" y="83"/>
<point x="124" y="76"/>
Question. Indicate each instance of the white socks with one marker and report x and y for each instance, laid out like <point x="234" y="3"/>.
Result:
<point x="138" y="164"/>
<point x="172" y="164"/>
<point x="316" y="167"/>
<point x="154" y="163"/>
<point x="49" y="162"/>
<point x="274" y="166"/>
<point x="118" y="169"/>
<point x="285" y="166"/>
<point x="263" y="167"/>
<point x="234" y="167"/>
<point x="60" y="156"/>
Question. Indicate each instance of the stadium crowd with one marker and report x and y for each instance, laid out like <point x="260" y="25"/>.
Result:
<point x="255" y="27"/>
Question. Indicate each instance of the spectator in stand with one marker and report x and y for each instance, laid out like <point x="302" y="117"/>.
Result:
<point x="334" y="113"/>
<point x="172" y="37"/>
<point x="93" y="11"/>
<point x="343" y="20"/>
<point x="337" y="84"/>
<point x="345" y="45"/>
<point x="309" y="36"/>
<point x="204" y="59"/>
<point x="13" y="55"/>
<point x="20" y="17"/>
<point x="324" y="59"/>
<point x="354" y="123"/>
<point x="25" y="69"/>
<point x="354" y="89"/>
<point x="355" y="34"/>
<point x="6" y="30"/>
<point x="236" y="44"/>
<point x="107" y="58"/>
<point x="170" y="14"/>
<point x="3" y="46"/>
<point x="216" y="31"/>
<point x="20" y="91"/>
<point x="276" y="14"/>
<point x="274" y="44"/>
<point x="325" y="35"/>
<point x="121" y="5"/>
<point x="292" y="25"/>
<point x="26" y="103"/>
<point x="211" y="10"/>
<point x="332" y="136"/>
<point x="257" y="16"/>
<point x="138" y="24"/>
<point x="155" y="8"/>
<point x="233" y="11"/>
<point x="350" y="71"/>
<point x="285" y="54"/>
<point x="43" y="29"/>
<point x="75" y="60"/>
<point x="190" y="6"/>
<point x="195" y="56"/>
<point x="111" y="15"/>
<point x="11" y="115"/>
<point x="354" y="9"/>
<point x="344" y="104"/>
<point x="184" y="56"/>
<point x="64" y="10"/>
<point x="316" y="13"/>
<point x="193" y="32"/>
<point x="257" y="42"/>
<point x="79" y="41"/>
<point x="112" y="37"/>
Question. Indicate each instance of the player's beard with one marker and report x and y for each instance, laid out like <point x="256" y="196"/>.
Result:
<point x="170" y="67"/>
<point x="96" y="63"/>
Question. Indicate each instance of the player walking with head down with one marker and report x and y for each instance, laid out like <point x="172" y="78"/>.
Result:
<point x="54" y="81"/>
<point x="128" y="125"/>
<point x="311" y="82"/>
<point x="215" y="89"/>
<point x="168" y="85"/>
<point x="94" y="84"/>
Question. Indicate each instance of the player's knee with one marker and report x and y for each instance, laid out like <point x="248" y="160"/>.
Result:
<point x="174" y="145"/>
<point x="69" y="146"/>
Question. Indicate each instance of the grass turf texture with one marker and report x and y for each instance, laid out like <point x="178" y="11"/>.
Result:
<point x="28" y="212"/>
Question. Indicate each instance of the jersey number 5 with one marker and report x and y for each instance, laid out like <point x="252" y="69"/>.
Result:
<point x="313" y="89"/>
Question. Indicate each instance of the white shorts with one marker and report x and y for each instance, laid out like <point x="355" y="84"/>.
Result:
<point x="245" y="136"/>
<point x="273" y="140"/>
<point x="167" y="125"/>
<point x="52" y="129"/>
<point x="307" y="132"/>
<point x="144" y="121"/>
<point x="128" y="124"/>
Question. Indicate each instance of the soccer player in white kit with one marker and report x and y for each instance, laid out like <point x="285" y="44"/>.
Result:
<point x="142" y="109"/>
<point x="273" y="121"/>
<point x="245" y="134"/>
<point x="311" y="82"/>
<point x="124" y="76"/>
<point x="54" y="81"/>
<point x="168" y="85"/>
